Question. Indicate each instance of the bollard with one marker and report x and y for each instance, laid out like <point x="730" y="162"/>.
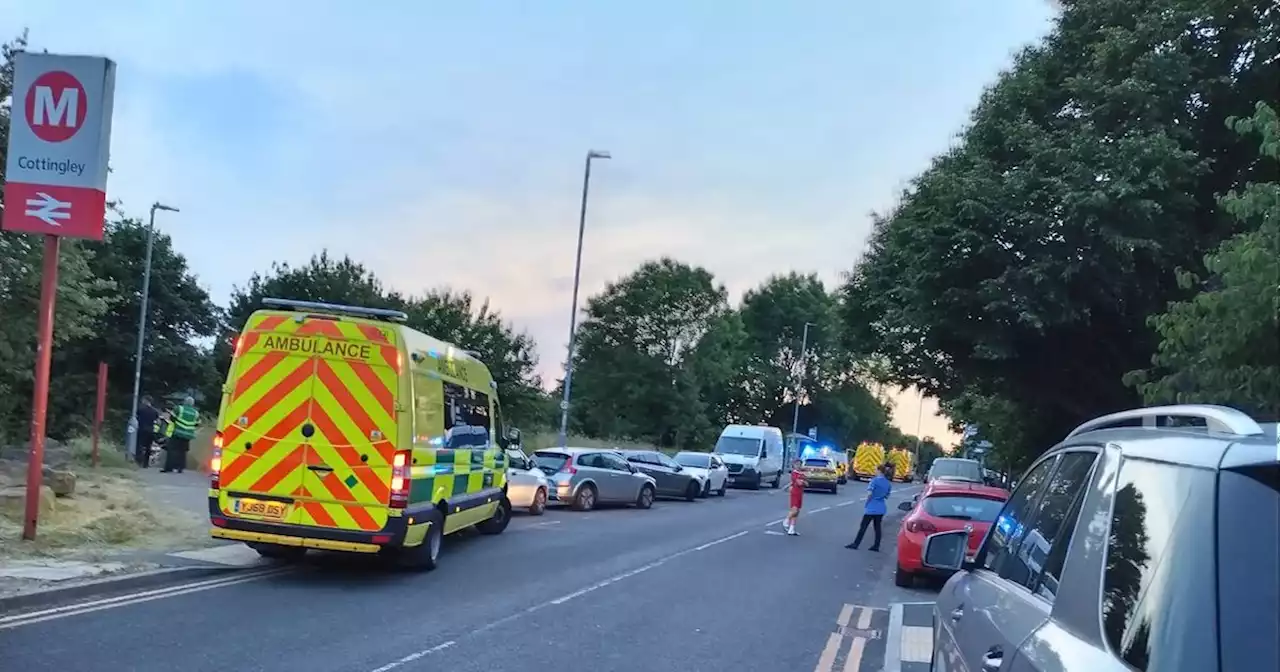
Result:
<point x="100" y="412"/>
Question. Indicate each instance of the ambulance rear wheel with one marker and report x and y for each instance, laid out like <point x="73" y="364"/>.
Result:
<point x="501" y="518"/>
<point x="425" y="556"/>
<point x="278" y="552"/>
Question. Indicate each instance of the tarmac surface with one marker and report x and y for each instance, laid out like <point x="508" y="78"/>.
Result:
<point x="705" y="585"/>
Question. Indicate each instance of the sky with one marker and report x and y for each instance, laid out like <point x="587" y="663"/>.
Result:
<point x="442" y="143"/>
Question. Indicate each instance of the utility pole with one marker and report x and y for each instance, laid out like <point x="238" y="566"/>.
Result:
<point x="573" y="314"/>
<point x="919" y="420"/>
<point x="131" y="431"/>
<point x="804" y="365"/>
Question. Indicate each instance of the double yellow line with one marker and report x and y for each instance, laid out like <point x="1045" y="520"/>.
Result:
<point x="835" y="641"/>
<point x="31" y="618"/>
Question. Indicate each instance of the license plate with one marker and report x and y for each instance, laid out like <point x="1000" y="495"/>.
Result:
<point x="260" y="508"/>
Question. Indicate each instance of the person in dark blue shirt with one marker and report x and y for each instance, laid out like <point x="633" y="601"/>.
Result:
<point x="873" y="513"/>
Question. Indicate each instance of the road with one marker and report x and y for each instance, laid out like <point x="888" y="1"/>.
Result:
<point x="707" y="585"/>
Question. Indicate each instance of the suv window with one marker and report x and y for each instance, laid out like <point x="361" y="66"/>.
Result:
<point x="1249" y="567"/>
<point x="1010" y="525"/>
<point x="614" y="462"/>
<point x="1049" y="528"/>
<point x="1159" y="582"/>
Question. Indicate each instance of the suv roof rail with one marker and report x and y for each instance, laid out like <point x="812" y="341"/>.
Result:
<point x="1217" y="419"/>
<point x="354" y="311"/>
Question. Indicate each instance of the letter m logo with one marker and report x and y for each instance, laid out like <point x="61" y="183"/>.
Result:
<point x="56" y="110"/>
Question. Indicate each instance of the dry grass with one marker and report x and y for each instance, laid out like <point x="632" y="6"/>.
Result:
<point x="107" y="514"/>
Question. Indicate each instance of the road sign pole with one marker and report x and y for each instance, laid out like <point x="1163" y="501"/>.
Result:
<point x="40" y="398"/>
<point x="804" y="361"/>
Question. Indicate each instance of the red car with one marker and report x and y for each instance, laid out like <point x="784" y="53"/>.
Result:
<point x="942" y="507"/>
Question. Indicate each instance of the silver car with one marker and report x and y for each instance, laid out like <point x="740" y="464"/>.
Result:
<point x="585" y="477"/>
<point x="527" y="486"/>
<point x="1146" y="540"/>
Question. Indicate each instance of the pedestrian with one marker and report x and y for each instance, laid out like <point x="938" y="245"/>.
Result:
<point x="147" y="417"/>
<point x="797" y="485"/>
<point x="185" y="420"/>
<point x="873" y="512"/>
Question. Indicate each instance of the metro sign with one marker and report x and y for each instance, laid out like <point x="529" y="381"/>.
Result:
<point x="58" y="146"/>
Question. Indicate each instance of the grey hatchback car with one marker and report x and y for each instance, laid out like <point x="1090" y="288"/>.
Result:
<point x="585" y="477"/>
<point x="1146" y="540"/>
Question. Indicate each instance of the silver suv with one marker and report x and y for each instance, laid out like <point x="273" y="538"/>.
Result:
<point x="1146" y="540"/>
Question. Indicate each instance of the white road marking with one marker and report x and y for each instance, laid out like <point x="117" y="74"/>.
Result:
<point x="547" y="523"/>
<point x="414" y="656"/>
<point x="31" y="618"/>
<point x="643" y="568"/>
<point x="775" y="533"/>
<point x="825" y="508"/>
<point x="917" y="644"/>
<point x="848" y="503"/>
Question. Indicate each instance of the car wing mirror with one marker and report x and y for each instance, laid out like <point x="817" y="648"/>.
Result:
<point x="945" y="550"/>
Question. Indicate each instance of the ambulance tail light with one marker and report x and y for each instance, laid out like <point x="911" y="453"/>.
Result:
<point x="215" y="462"/>
<point x="400" y="480"/>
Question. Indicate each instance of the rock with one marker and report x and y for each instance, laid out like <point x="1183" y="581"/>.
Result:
<point x="61" y="481"/>
<point x="13" y="501"/>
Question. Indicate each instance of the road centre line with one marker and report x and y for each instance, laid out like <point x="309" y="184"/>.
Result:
<point x="558" y="601"/>
<point x="32" y="618"/>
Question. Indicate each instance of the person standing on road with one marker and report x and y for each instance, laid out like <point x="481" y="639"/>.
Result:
<point x="147" y="418"/>
<point x="185" y="420"/>
<point x="873" y="513"/>
<point x="797" y="485"/>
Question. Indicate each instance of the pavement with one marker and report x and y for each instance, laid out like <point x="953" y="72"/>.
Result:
<point x="705" y="585"/>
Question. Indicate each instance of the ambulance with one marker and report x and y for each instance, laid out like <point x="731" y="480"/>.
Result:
<point x="342" y="429"/>
<point x="868" y="457"/>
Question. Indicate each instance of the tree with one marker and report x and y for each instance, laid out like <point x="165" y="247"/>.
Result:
<point x="634" y="371"/>
<point x="1016" y="274"/>
<point x="1223" y="345"/>
<point x="81" y="297"/>
<point x="450" y="316"/>
<point x="179" y="314"/>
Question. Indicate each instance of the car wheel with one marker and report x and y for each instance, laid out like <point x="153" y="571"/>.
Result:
<point x="903" y="578"/>
<point x="723" y="487"/>
<point x="501" y="518"/>
<point x="777" y="480"/>
<point x="425" y="556"/>
<point x="645" y="500"/>
<point x="539" y="505"/>
<point x="706" y="489"/>
<point x="691" y="493"/>
<point x="835" y="489"/>
<point x="585" y="500"/>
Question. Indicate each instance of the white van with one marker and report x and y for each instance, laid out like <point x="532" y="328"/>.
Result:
<point x="753" y="454"/>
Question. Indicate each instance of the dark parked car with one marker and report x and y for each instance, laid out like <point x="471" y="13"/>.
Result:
<point x="672" y="479"/>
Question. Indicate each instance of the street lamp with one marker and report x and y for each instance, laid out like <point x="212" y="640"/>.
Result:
<point x="804" y="364"/>
<point x="131" y="433"/>
<point x="573" y="313"/>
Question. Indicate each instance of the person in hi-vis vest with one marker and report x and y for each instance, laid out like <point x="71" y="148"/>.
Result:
<point x="185" y="420"/>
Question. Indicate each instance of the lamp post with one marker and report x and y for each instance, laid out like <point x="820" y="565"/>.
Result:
<point x="131" y="433"/>
<point x="804" y="365"/>
<point x="573" y="313"/>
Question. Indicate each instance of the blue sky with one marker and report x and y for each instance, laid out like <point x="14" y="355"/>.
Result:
<point x="442" y="143"/>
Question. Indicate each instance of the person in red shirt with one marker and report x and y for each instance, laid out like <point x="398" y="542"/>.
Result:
<point x="797" y="485"/>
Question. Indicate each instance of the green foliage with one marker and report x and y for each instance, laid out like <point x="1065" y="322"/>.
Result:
<point x="451" y="316"/>
<point x="1014" y="279"/>
<point x="1223" y="345"/>
<point x="634" y="369"/>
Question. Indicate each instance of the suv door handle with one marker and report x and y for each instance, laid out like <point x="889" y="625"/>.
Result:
<point x="957" y="613"/>
<point x="992" y="660"/>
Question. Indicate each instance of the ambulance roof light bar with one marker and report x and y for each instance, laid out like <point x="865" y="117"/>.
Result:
<point x="354" y="311"/>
